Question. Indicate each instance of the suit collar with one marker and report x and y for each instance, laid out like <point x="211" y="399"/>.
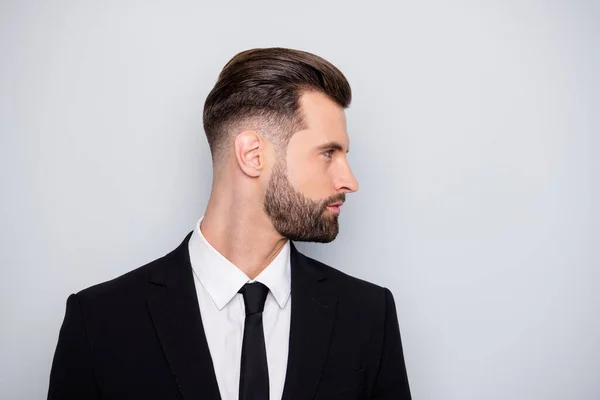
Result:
<point x="172" y="269"/>
<point x="173" y="306"/>
<point x="314" y="306"/>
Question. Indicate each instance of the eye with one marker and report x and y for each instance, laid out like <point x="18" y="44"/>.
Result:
<point x="328" y="153"/>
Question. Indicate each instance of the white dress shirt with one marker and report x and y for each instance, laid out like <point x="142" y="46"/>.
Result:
<point x="222" y="308"/>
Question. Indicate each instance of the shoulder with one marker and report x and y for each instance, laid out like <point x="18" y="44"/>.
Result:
<point x="350" y="287"/>
<point x="135" y="283"/>
<point x="128" y="283"/>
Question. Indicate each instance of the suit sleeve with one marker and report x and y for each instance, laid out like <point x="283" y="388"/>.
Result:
<point x="392" y="380"/>
<point x="71" y="376"/>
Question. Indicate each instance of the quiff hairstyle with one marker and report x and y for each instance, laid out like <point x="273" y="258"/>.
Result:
<point x="261" y="89"/>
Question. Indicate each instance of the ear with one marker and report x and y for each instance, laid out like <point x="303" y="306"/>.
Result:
<point x="249" y="152"/>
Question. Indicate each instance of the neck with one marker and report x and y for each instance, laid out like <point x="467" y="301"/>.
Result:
<point x="242" y="233"/>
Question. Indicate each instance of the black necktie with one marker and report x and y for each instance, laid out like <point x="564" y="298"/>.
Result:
<point x="254" y="373"/>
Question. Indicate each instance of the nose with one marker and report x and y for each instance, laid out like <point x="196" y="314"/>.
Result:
<point x="346" y="181"/>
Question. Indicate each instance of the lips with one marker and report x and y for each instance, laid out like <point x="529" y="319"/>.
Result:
<point x="335" y="207"/>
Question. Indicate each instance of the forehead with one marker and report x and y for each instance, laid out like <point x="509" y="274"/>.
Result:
<point x="325" y="120"/>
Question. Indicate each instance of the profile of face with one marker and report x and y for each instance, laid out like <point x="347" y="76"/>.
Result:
<point x="308" y="186"/>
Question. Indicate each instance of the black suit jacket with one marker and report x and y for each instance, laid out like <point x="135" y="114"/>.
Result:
<point x="140" y="336"/>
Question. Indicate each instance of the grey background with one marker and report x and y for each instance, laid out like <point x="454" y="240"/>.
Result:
<point x="474" y="132"/>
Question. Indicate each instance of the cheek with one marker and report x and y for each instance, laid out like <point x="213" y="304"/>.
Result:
<point x="310" y="179"/>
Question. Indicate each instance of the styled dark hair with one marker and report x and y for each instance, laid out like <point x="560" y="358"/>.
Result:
<point x="265" y="85"/>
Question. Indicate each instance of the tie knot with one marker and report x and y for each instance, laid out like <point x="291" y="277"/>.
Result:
<point x="255" y="295"/>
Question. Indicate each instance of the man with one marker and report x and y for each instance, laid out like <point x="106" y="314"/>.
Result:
<point x="236" y="311"/>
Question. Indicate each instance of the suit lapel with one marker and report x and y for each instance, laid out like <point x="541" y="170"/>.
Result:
<point x="173" y="305"/>
<point x="312" y="320"/>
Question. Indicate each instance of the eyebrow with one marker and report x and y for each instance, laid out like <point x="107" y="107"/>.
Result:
<point x="332" y="146"/>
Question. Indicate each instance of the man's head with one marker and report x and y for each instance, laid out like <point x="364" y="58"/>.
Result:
<point x="276" y="126"/>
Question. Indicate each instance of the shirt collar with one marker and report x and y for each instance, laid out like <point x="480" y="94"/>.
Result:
<point x="222" y="279"/>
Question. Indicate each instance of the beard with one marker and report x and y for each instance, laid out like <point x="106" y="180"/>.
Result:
<point x="297" y="217"/>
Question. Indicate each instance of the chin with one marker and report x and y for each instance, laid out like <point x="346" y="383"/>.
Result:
<point x="324" y="240"/>
<point x="312" y="239"/>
